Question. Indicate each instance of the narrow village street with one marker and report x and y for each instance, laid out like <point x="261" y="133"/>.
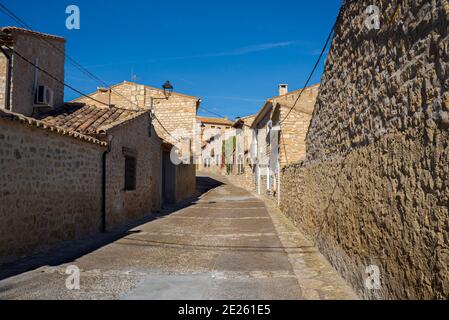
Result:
<point x="226" y="244"/>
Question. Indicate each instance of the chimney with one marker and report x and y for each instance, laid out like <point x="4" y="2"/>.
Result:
<point x="104" y="95"/>
<point x="283" y="89"/>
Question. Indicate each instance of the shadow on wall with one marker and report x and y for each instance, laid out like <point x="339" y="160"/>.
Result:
<point x="70" y="251"/>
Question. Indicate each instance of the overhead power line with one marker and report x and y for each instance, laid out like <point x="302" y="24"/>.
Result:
<point x="12" y="15"/>
<point x="88" y="73"/>
<point x="80" y="92"/>
<point x="323" y="50"/>
<point x="53" y="77"/>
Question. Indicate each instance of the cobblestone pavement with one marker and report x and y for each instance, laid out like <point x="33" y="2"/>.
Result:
<point x="227" y="244"/>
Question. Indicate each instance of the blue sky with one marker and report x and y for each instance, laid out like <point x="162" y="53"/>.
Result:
<point x="230" y="53"/>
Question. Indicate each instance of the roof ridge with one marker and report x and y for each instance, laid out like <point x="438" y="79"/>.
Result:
<point x="32" y="32"/>
<point x="154" y="88"/>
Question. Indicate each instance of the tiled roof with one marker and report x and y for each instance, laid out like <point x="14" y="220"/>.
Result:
<point x="88" y="119"/>
<point x="221" y="121"/>
<point x="34" y="33"/>
<point x="46" y="126"/>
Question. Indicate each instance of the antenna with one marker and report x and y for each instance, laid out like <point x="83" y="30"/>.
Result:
<point x="133" y="76"/>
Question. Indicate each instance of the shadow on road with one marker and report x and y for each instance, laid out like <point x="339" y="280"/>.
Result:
<point x="69" y="251"/>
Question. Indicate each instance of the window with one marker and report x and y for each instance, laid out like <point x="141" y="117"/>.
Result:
<point x="130" y="173"/>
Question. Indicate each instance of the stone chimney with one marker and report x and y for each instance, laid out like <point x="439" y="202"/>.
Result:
<point x="283" y="89"/>
<point x="104" y="95"/>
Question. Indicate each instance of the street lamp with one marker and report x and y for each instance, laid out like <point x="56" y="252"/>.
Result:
<point x="168" y="90"/>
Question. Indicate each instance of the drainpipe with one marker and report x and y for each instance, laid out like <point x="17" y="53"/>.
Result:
<point x="268" y="178"/>
<point x="279" y="182"/>
<point x="103" y="185"/>
<point x="8" y="79"/>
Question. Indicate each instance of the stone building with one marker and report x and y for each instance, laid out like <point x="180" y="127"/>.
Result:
<point x="50" y="185"/>
<point x="69" y="169"/>
<point x="174" y="123"/>
<point x="211" y="135"/>
<point x="25" y="89"/>
<point x="373" y="190"/>
<point x="279" y="132"/>
<point x="243" y="167"/>
<point x="133" y="162"/>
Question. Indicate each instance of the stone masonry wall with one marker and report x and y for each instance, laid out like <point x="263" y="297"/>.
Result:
<point x="382" y="81"/>
<point x="292" y="141"/>
<point x="177" y="115"/>
<point x="125" y="205"/>
<point x="3" y="72"/>
<point x="374" y="188"/>
<point x="50" y="188"/>
<point x="384" y="205"/>
<point x="185" y="179"/>
<point x="295" y="124"/>
<point x="23" y="74"/>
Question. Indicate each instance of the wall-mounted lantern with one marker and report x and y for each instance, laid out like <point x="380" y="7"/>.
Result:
<point x="168" y="89"/>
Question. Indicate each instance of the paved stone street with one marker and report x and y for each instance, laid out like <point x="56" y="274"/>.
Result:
<point x="226" y="244"/>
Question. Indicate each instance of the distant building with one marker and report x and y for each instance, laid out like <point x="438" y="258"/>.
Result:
<point x="175" y="125"/>
<point x="274" y="137"/>
<point x="211" y="135"/>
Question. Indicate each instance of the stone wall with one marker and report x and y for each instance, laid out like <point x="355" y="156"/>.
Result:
<point x="374" y="187"/>
<point x="50" y="188"/>
<point x="247" y="180"/>
<point x="48" y="58"/>
<point x="382" y="81"/>
<point x="125" y="205"/>
<point x="177" y="115"/>
<point x="3" y="73"/>
<point x="185" y="179"/>
<point x="385" y="205"/>
<point x="295" y="123"/>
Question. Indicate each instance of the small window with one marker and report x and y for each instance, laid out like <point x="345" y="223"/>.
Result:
<point x="130" y="173"/>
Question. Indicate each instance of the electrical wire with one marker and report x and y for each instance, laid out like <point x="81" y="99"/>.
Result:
<point x="12" y="15"/>
<point x="80" y="92"/>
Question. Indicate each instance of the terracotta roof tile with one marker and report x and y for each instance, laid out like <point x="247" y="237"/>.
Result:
<point x="32" y="122"/>
<point x="88" y="119"/>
